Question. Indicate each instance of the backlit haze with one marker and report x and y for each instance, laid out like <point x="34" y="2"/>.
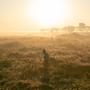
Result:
<point x="24" y="16"/>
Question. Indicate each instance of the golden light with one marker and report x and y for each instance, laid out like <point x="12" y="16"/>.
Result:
<point x="48" y="12"/>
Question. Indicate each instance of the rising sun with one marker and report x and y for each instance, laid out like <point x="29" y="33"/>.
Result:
<point x="48" y="12"/>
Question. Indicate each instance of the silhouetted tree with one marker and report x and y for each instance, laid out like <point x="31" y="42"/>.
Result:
<point x="82" y="26"/>
<point x="71" y="29"/>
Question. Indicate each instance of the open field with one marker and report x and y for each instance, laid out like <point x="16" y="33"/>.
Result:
<point x="22" y="63"/>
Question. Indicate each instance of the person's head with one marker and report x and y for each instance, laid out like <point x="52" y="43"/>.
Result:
<point x="44" y="51"/>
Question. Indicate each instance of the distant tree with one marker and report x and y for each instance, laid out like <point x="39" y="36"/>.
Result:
<point x="82" y="26"/>
<point x="71" y="29"/>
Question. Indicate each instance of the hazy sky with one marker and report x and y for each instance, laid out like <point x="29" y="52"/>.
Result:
<point x="13" y="16"/>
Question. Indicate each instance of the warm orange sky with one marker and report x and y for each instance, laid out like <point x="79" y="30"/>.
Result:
<point x="31" y="15"/>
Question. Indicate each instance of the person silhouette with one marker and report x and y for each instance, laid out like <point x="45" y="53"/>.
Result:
<point x="46" y="56"/>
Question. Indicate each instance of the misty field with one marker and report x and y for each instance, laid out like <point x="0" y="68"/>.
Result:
<point x="22" y="65"/>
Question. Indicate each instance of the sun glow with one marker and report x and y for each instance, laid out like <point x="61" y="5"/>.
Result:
<point x="48" y="12"/>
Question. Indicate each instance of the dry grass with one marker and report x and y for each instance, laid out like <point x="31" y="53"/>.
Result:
<point x="21" y="62"/>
